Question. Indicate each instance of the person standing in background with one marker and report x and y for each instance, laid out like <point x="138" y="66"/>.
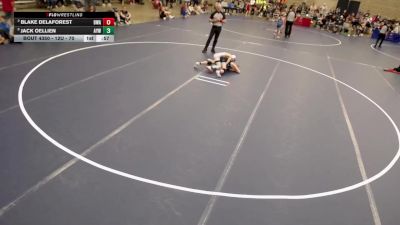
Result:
<point x="279" y="26"/>
<point x="324" y="9"/>
<point x="4" y="31"/>
<point x="217" y="18"/>
<point x="125" y="16"/>
<point x="382" y="34"/>
<point x="396" y="29"/>
<point x="247" y="9"/>
<point x="8" y="8"/>
<point x="291" y="16"/>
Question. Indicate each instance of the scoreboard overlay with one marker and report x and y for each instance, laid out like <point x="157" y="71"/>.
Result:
<point x="64" y="26"/>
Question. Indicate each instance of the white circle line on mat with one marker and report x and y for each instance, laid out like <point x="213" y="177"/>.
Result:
<point x="194" y="190"/>
<point x="384" y="53"/>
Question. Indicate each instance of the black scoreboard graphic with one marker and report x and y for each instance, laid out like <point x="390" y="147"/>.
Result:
<point x="64" y="26"/>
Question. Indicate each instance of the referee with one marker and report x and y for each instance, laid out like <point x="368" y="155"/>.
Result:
<point x="290" y="18"/>
<point x="217" y="18"/>
<point x="382" y="34"/>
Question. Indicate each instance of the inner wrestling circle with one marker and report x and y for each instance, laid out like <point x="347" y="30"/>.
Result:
<point x="194" y="190"/>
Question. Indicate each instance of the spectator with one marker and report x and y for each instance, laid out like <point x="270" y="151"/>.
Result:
<point x="165" y="14"/>
<point x="276" y="15"/>
<point x="3" y="39"/>
<point x="332" y="24"/>
<point x="140" y="2"/>
<point x="333" y="21"/>
<point x="340" y="23"/>
<point x="231" y="7"/>
<point x="324" y="9"/>
<point x="89" y="3"/>
<point x="224" y="5"/>
<point x="77" y="5"/>
<point x="198" y="10"/>
<point x="240" y="7"/>
<point x="8" y="8"/>
<point x="367" y="27"/>
<point x="4" y="31"/>
<point x="279" y="25"/>
<point x="337" y="12"/>
<point x="184" y="11"/>
<point x="170" y="3"/>
<point x="323" y="23"/>
<point x="262" y="10"/>
<point x="254" y="9"/>
<point x="396" y="28"/>
<point x="252" y="2"/>
<point x="157" y="4"/>
<point x="205" y="6"/>
<point x="347" y="27"/>
<point x="191" y="10"/>
<point x="108" y="2"/>
<point x="298" y="9"/>
<point x="92" y="8"/>
<point x="60" y="3"/>
<point x="117" y="18"/>
<point x="345" y="14"/>
<point x="355" y="24"/>
<point x="247" y="8"/>
<point x="313" y="8"/>
<point x="125" y="16"/>
<point x="51" y="4"/>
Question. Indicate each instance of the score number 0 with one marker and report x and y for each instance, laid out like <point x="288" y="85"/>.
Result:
<point x="108" y="21"/>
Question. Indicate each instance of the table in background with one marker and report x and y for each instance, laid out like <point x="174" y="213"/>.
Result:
<point x="303" y="21"/>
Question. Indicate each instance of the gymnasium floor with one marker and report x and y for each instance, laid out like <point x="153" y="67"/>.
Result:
<point x="305" y="135"/>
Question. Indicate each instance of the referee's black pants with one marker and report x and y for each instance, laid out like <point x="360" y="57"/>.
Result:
<point x="215" y="30"/>
<point x="288" y="28"/>
<point x="381" y="37"/>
